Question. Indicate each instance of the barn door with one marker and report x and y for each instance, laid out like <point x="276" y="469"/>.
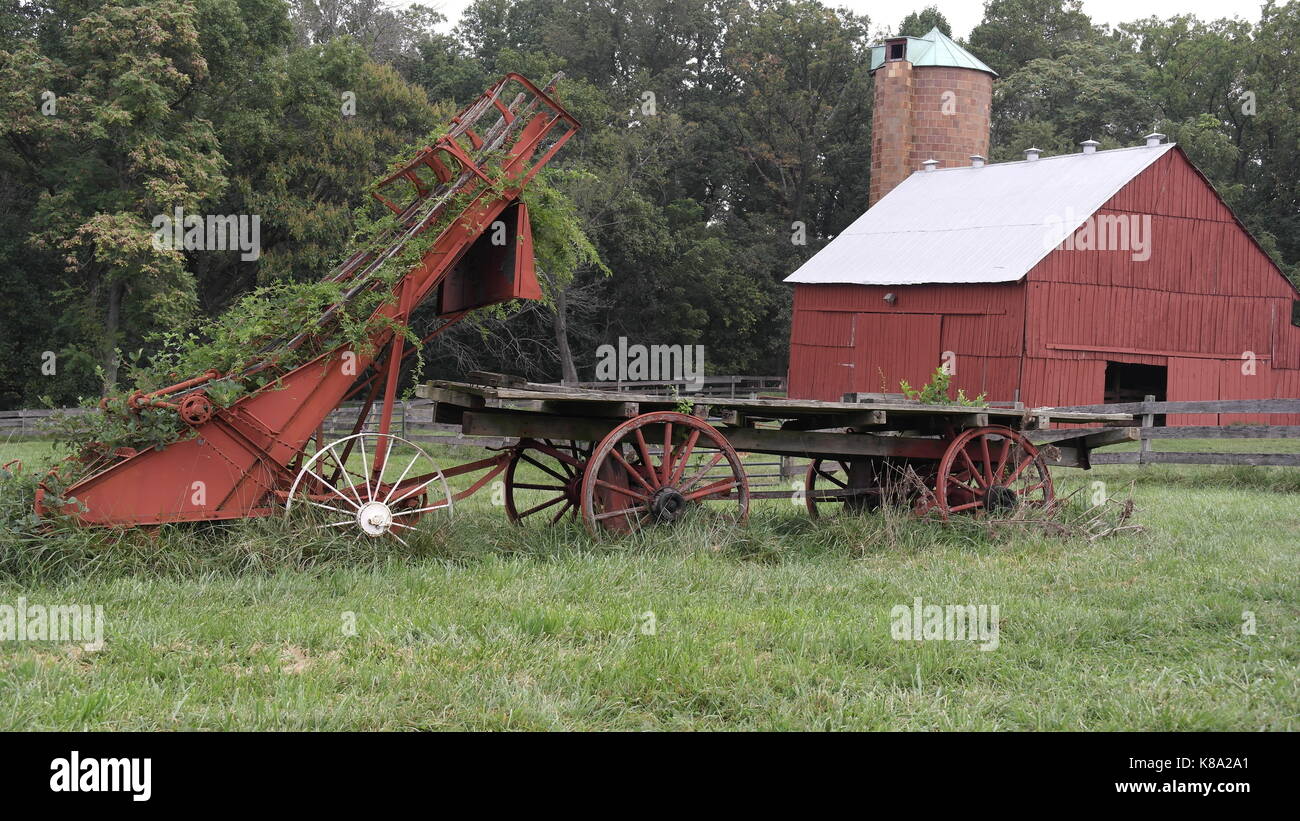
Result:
<point x="821" y="355"/>
<point x="894" y="347"/>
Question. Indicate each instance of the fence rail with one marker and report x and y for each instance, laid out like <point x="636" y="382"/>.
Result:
<point x="1151" y="406"/>
<point x="1148" y="409"/>
<point x="30" y="421"/>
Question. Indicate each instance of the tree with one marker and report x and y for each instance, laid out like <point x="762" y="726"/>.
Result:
<point x="920" y="23"/>
<point x="1093" y="90"/>
<point x="1226" y="91"/>
<point x="206" y="106"/>
<point x="1014" y="32"/>
<point x="121" y="145"/>
<point x="388" y="32"/>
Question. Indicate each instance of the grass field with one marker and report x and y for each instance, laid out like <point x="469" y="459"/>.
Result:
<point x="785" y="624"/>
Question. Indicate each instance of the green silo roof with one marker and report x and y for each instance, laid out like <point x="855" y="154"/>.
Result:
<point x="934" y="49"/>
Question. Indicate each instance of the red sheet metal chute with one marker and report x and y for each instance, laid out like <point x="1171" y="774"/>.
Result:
<point x="497" y="268"/>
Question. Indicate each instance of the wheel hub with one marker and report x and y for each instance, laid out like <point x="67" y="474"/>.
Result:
<point x="573" y="489"/>
<point x="1001" y="497"/>
<point x="374" y="518"/>
<point x="667" y="504"/>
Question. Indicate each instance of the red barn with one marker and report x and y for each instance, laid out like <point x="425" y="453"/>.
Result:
<point x="1094" y="277"/>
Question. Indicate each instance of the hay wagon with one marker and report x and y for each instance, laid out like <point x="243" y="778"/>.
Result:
<point x="622" y="460"/>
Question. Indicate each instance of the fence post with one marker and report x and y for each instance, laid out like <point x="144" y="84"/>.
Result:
<point x="1148" y="421"/>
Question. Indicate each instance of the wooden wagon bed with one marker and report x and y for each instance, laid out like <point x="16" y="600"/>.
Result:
<point x="498" y="405"/>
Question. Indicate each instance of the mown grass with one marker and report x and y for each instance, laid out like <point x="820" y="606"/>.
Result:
<point x="784" y="624"/>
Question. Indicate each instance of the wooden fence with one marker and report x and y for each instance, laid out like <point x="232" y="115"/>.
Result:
<point x="1146" y="412"/>
<point x="31" y="421"/>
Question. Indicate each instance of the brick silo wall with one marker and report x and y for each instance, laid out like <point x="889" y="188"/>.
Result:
<point x="926" y="112"/>
<point x="891" y="128"/>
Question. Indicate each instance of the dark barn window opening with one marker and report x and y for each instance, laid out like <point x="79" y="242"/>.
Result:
<point x="1128" y="382"/>
<point x="897" y="51"/>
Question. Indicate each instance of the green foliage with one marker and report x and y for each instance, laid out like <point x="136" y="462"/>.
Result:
<point x="1014" y="33"/>
<point x="268" y="315"/>
<point x="937" y="391"/>
<point x="560" y="241"/>
<point x="18" y="520"/>
<point x="123" y="145"/>
<point x="1090" y="90"/>
<point x="919" y="23"/>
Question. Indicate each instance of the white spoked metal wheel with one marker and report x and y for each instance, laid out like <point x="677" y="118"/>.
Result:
<point x="341" y="478"/>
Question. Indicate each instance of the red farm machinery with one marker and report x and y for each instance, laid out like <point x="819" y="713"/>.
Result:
<point x="252" y="457"/>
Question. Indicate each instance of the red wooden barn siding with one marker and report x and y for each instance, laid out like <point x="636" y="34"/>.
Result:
<point x="847" y="338"/>
<point x="1206" y="295"/>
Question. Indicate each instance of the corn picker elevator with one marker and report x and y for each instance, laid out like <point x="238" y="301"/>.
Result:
<point x="252" y="457"/>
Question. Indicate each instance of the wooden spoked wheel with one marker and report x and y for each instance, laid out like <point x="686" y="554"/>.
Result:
<point x="544" y="480"/>
<point x="626" y="487"/>
<point x="992" y="471"/>
<point x="841" y="486"/>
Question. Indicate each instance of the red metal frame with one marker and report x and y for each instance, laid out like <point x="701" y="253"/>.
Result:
<point x="243" y="456"/>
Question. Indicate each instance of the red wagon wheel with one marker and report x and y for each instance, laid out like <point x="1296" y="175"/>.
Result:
<point x="624" y="488"/>
<point x="555" y="487"/>
<point x="992" y="470"/>
<point x="850" y="486"/>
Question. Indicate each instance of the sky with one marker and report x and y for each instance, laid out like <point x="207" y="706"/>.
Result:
<point x="965" y="14"/>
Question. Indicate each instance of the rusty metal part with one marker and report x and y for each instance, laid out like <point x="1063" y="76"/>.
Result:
<point x="140" y="399"/>
<point x="195" y="409"/>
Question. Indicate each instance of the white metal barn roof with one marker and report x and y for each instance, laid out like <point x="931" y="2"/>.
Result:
<point x="987" y="224"/>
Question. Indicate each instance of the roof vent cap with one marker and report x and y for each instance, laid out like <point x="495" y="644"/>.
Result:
<point x="1031" y="154"/>
<point x="977" y="161"/>
<point x="930" y="165"/>
<point x="1090" y="146"/>
<point x="1154" y="138"/>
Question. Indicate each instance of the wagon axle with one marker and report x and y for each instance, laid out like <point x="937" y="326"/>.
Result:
<point x="999" y="498"/>
<point x="666" y="505"/>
